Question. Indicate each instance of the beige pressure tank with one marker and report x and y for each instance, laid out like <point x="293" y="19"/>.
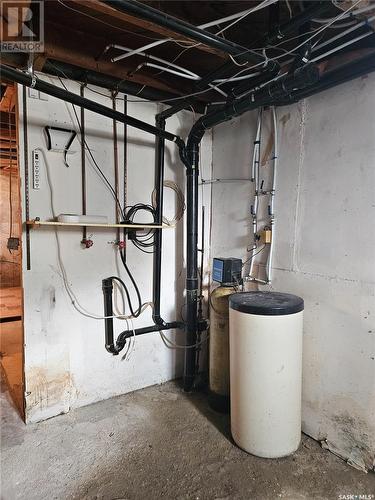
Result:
<point x="219" y="348"/>
<point x="266" y="372"/>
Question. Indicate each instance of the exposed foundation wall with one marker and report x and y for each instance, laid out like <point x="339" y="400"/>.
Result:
<point x="324" y="248"/>
<point x="66" y="364"/>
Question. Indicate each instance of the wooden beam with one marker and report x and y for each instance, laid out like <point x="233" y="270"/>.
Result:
<point x="8" y="101"/>
<point x="117" y="18"/>
<point x="4" y="134"/>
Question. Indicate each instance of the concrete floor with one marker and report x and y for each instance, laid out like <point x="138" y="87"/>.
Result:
<point x="158" y="443"/>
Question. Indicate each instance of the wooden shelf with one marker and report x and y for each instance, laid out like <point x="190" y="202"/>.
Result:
<point x="36" y="223"/>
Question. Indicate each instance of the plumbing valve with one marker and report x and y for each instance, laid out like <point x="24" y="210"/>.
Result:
<point x="121" y="245"/>
<point x="87" y="243"/>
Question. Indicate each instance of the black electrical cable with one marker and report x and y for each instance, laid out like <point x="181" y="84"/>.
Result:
<point x="146" y="240"/>
<point x="138" y="311"/>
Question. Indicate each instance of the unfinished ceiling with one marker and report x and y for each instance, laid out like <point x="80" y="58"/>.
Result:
<point x="80" y="36"/>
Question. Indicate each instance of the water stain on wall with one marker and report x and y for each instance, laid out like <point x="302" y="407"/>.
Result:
<point x="46" y="390"/>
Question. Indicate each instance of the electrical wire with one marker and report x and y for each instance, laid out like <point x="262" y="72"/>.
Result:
<point x="145" y="240"/>
<point x="98" y="19"/>
<point x="344" y="33"/>
<point x="169" y="344"/>
<point x="254" y="255"/>
<point x="180" y="203"/>
<point x="320" y="30"/>
<point x="63" y="274"/>
<point x="240" y="15"/>
<point x="88" y="150"/>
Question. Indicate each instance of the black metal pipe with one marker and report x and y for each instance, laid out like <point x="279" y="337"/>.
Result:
<point x="332" y="78"/>
<point x="266" y="95"/>
<point x="252" y="83"/>
<point x="49" y="89"/>
<point x="185" y="29"/>
<point x="121" y="340"/>
<point x="192" y="174"/>
<point x="107" y="287"/>
<point x="158" y="238"/>
<point x="190" y="157"/>
<point x="72" y="72"/>
<point x="110" y="345"/>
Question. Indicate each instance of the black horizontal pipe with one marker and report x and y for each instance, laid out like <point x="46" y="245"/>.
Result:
<point x="343" y="73"/>
<point x="267" y="95"/>
<point x="116" y="84"/>
<point x="52" y="90"/>
<point x="121" y="339"/>
<point x="183" y="28"/>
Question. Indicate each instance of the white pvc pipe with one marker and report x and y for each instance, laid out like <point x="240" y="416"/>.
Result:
<point x="273" y="188"/>
<point x="255" y="179"/>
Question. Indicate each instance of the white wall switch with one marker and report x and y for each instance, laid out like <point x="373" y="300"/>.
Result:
<point x="33" y="93"/>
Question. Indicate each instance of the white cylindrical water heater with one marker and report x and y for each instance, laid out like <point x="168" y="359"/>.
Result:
<point x="265" y="345"/>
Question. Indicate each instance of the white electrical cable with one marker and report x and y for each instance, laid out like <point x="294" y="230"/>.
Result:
<point x="149" y="56"/>
<point x="354" y="13"/>
<point x="326" y="26"/>
<point x="196" y="77"/>
<point x="264" y="4"/>
<point x="237" y="79"/>
<point x="180" y="203"/>
<point x="167" y="70"/>
<point x="350" y="42"/>
<point x="344" y="33"/>
<point x="169" y="344"/>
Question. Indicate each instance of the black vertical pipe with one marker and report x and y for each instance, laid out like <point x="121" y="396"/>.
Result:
<point x="159" y="182"/>
<point x="192" y="174"/>
<point x="107" y="287"/>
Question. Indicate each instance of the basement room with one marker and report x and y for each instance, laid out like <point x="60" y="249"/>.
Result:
<point x="187" y="292"/>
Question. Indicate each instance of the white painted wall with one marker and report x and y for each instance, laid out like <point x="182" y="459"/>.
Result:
<point x="66" y="364"/>
<point x="324" y="249"/>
